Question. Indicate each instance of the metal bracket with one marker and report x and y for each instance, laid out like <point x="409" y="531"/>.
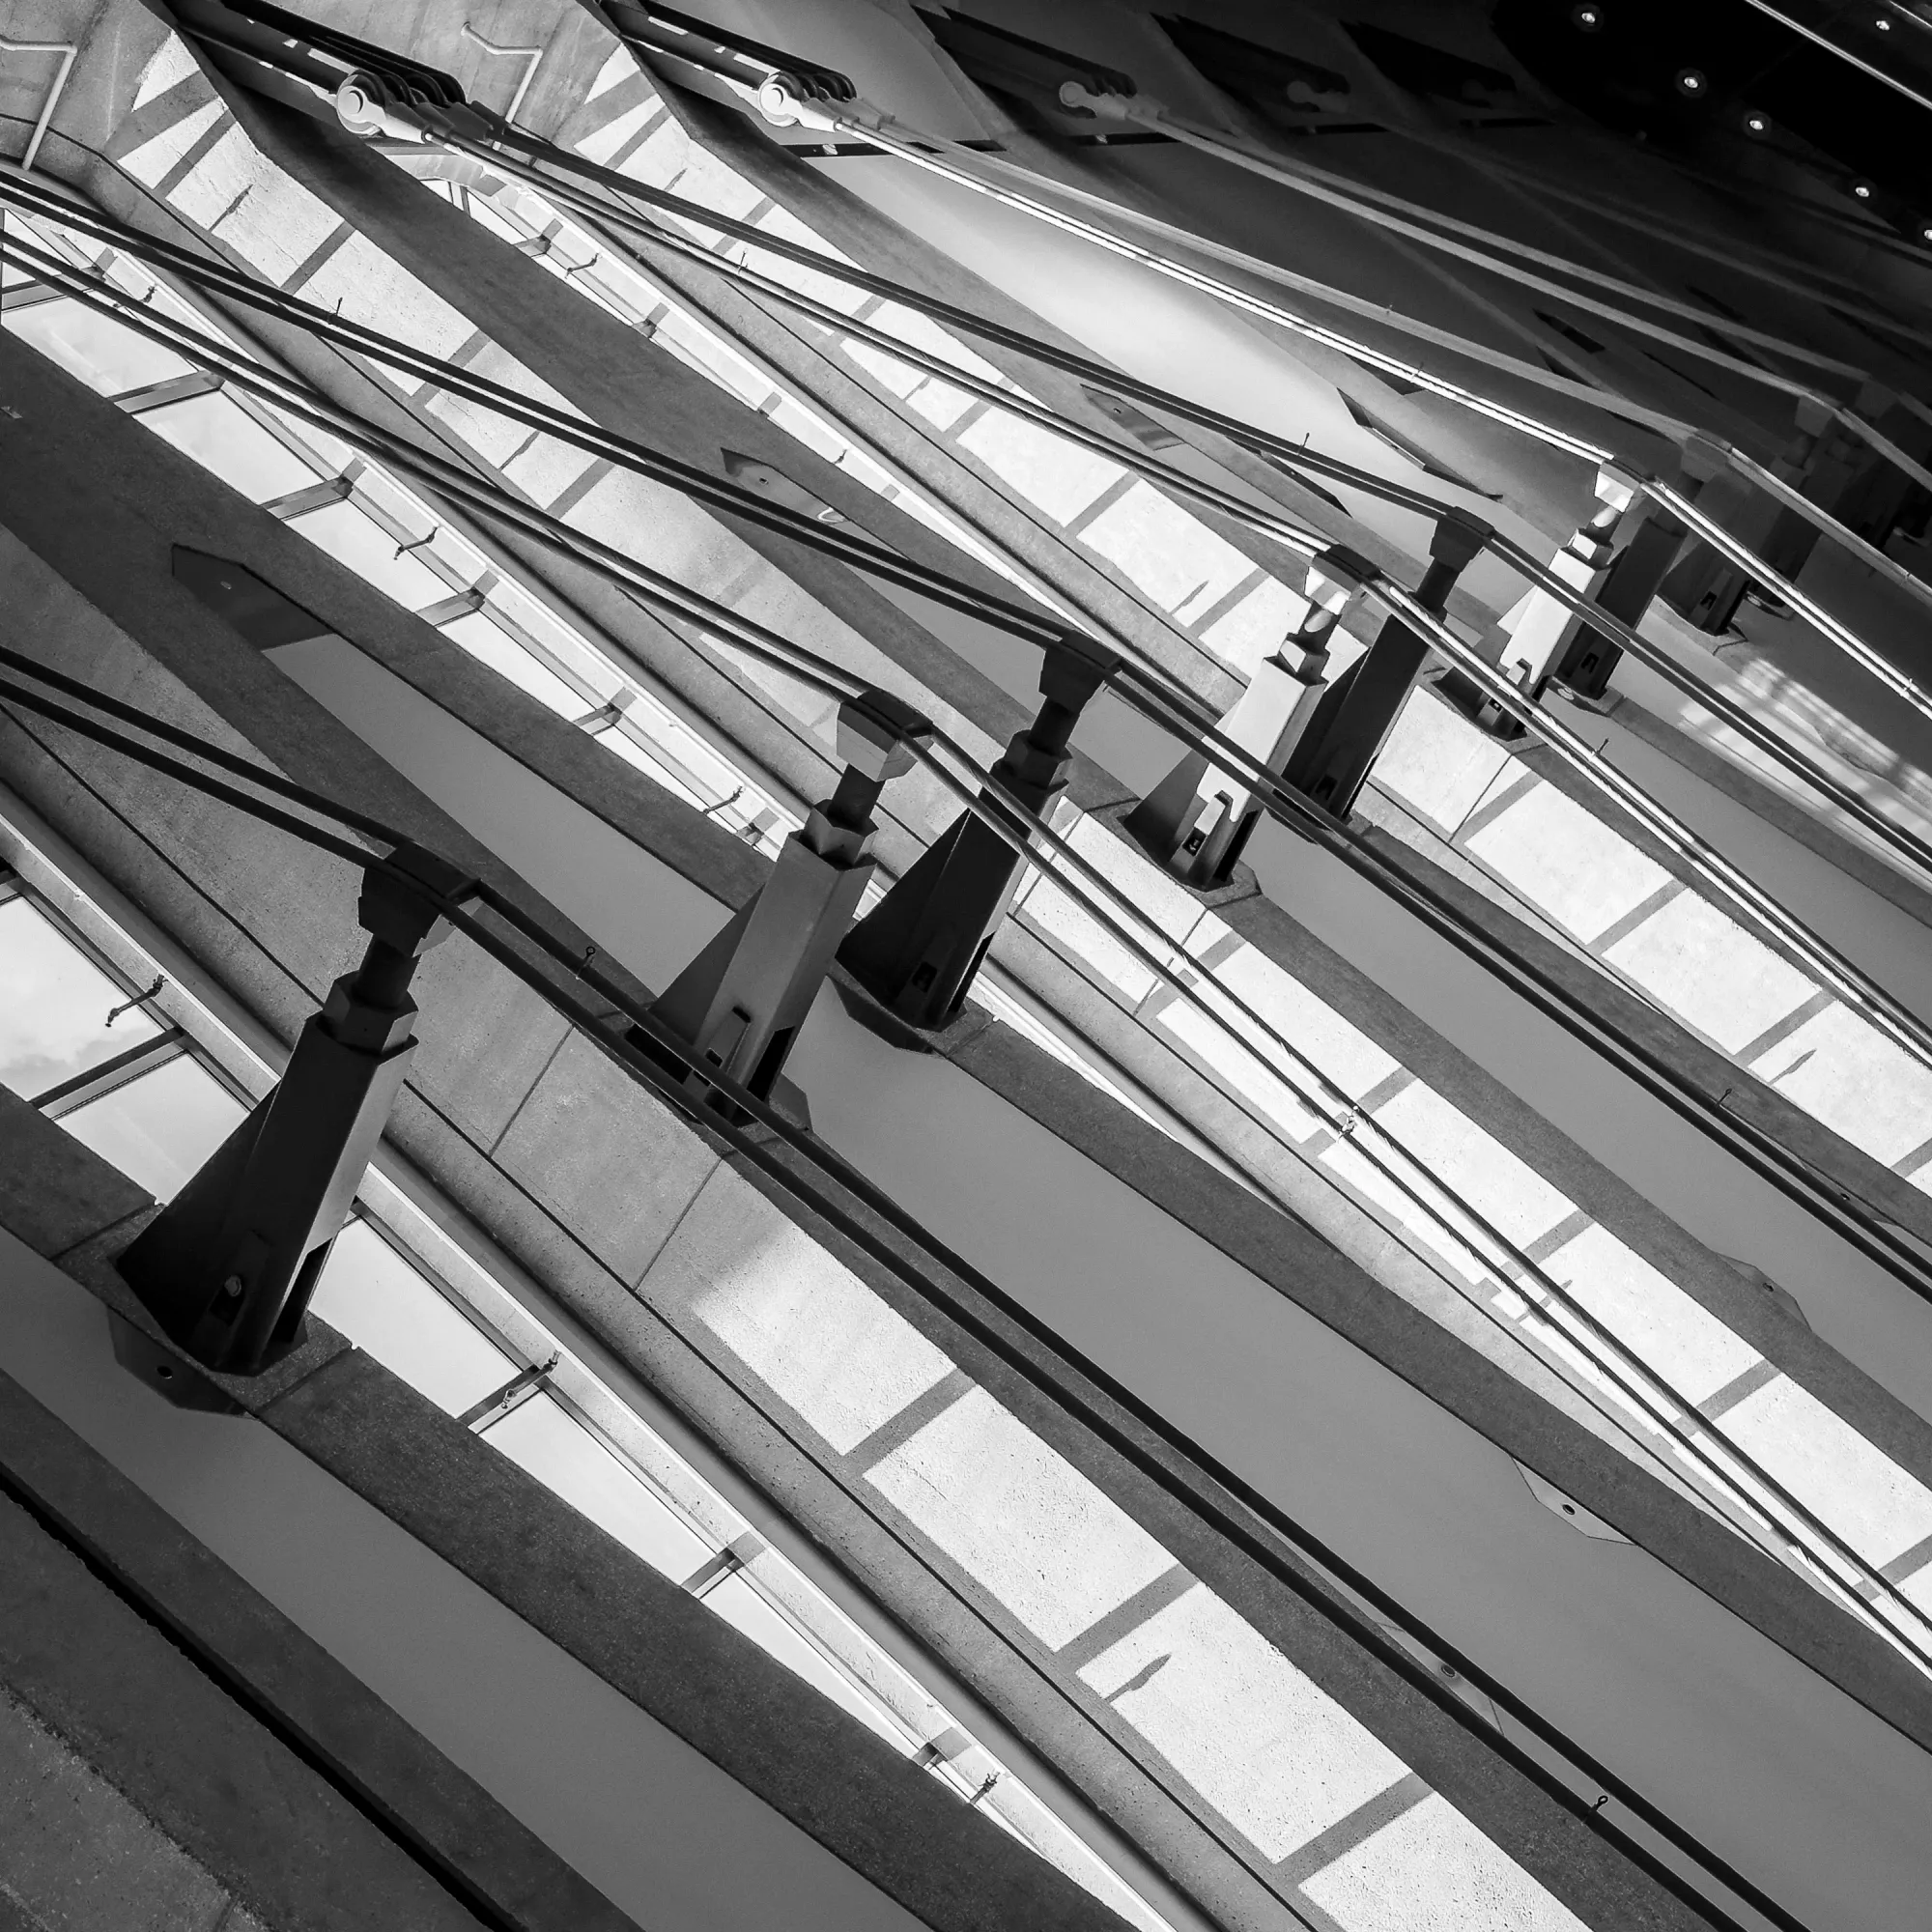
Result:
<point x="228" y="1266"/>
<point x="741" y="1002"/>
<point x="1197" y="821"/>
<point x="1335" y="755"/>
<point x="918" y="949"/>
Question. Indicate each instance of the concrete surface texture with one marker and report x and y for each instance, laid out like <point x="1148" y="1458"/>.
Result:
<point x="635" y="1236"/>
<point x="1164" y="1168"/>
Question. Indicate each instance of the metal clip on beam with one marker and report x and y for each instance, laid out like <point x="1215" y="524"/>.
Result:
<point x="228" y="1266"/>
<point x="1335" y="755"/>
<point x="1197" y="821"/>
<point x="741" y="1002"/>
<point x="918" y="949"/>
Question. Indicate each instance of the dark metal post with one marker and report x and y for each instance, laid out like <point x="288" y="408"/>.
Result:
<point x="1332" y="768"/>
<point x="741" y="1000"/>
<point x="1540" y="630"/>
<point x="918" y="949"/>
<point x="1197" y="821"/>
<point x="1628" y="589"/>
<point x="228" y="1266"/>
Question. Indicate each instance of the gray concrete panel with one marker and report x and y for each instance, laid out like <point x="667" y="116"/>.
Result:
<point x="235" y="1799"/>
<point x="286" y="1672"/>
<point x="606" y="1155"/>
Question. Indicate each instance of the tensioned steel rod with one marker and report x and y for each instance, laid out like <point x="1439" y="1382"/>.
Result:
<point x="1845" y="54"/>
<point x="839" y="683"/>
<point x="927" y="153"/>
<point x="1650" y="1392"/>
<point x="828" y="678"/>
<point x="1853" y="985"/>
<point x="1267" y="523"/>
<point x="1760" y="1150"/>
<point x="1408" y="219"/>
<point x="1202" y="1485"/>
<point x="597" y="210"/>
<point x="1743" y="367"/>
<point x="1278" y="448"/>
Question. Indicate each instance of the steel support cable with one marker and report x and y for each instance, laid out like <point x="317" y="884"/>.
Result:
<point x="839" y="684"/>
<point x="187" y="741"/>
<point x="579" y="432"/>
<point x="802" y="664"/>
<point x="1225" y="503"/>
<point x="1410" y="220"/>
<point x="1226" y="293"/>
<point x="774" y="650"/>
<point x="1809" y="281"/>
<point x="1739" y="460"/>
<point x="1352" y="195"/>
<point x="1335" y="1108"/>
<point x="1909" y="844"/>
<point x="437" y="473"/>
<point x="1339" y="1114"/>
<point x="1853" y="985"/>
<point x="1276" y="448"/>
<point x="1835" y="633"/>
<point x="1196" y="1496"/>
<point x="933" y="153"/>
<point x="1845" y="54"/>
<point x="1083" y="368"/>
<point x="1761" y="1152"/>
<point x="1308" y="542"/>
<point x="1279" y="448"/>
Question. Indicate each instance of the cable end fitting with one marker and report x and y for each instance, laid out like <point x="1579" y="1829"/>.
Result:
<point x="1104" y="104"/>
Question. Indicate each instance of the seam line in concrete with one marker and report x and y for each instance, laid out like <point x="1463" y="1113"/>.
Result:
<point x="635" y="1283"/>
<point x="516" y="1111"/>
<point x="100" y="1234"/>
